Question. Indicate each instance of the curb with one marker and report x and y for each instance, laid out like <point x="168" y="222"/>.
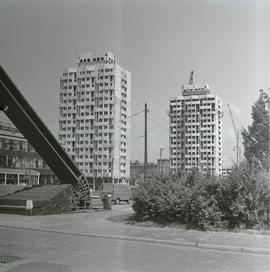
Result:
<point x="263" y="251"/>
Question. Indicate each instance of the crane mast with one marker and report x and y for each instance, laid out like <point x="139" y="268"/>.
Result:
<point x="237" y="136"/>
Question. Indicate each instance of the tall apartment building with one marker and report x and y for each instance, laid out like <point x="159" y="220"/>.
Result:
<point x="195" y="130"/>
<point x="93" y="110"/>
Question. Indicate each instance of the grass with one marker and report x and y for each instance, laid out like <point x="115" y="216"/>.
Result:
<point x="131" y="219"/>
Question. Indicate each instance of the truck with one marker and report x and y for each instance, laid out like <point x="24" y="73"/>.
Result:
<point x="118" y="192"/>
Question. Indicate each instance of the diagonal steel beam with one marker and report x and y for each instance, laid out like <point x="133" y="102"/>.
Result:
<point x="20" y="112"/>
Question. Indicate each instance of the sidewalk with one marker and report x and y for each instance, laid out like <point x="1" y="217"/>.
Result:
<point x="96" y="224"/>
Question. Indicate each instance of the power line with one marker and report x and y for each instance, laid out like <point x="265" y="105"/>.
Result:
<point x="142" y="136"/>
<point x="129" y="117"/>
<point x="158" y="124"/>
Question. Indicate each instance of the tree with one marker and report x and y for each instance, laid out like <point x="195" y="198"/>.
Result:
<point x="256" y="137"/>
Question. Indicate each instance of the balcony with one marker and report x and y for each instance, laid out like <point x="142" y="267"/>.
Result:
<point x="84" y="145"/>
<point x="98" y="152"/>
<point x="108" y="116"/>
<point x="108" y="130"/>
<point x="98" y="167"/>
<point x="192" y="156"/>
<point x="107" y="159"/>
<point x="98" y="109"/>
<point x="108" y="145"/>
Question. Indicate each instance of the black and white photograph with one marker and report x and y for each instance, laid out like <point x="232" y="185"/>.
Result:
<point x="134" y="135"/>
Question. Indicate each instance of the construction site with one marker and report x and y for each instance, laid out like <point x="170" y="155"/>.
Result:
<point x="72" y="191"/>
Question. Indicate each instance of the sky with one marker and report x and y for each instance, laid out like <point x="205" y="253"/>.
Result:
<point x="225" y="43"/>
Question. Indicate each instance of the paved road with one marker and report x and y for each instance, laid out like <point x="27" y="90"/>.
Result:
<point x="96" y="223"/>
<point x="65" y="252"/>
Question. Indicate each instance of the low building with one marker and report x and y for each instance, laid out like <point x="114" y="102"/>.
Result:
<point x="161" y="168"/>
<point x="17" y="176"/>
<point x="226" y="171"/>
<point x="137" y="169"/>
<point x="19" y="162"/>
<point x="164" y="167"/>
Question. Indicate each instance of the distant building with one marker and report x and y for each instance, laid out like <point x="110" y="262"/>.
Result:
<point x="164" y="167"/>
<point x="153" y="169"/>
<point x="196" y="130"/>
<point x="137" y="169"/>
<point x="226" y="171"/>
<point x="19" y="162"/>
<point x="93" y="110"/>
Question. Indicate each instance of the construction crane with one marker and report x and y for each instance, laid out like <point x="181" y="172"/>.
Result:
<point x="237" y="136"/>
<point x="191" y="78"/>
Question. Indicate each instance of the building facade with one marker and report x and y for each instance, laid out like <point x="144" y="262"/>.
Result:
<point x="196" y="131"/>
<point x="137" y="170"/>
<point x="19" y="162"/>
<point x="94" y="108"/>
<point x="164" y="167"/>
<point x="159" y="169"/>
<point x="226" y="171"/>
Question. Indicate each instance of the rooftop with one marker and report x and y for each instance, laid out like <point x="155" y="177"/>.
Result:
<point x="95" y="58"/>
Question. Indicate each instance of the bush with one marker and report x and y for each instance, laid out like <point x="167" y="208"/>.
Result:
<point x="244" y="197"/>
<point x="206" y="202"/>
<point x="189" y="200"/>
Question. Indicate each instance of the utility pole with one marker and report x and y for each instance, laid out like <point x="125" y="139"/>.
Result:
<point x="112" y="172"/>
<point x="145" y="141"/>
<point x="207" y="160"/>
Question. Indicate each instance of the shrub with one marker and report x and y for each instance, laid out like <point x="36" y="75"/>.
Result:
<point x="242" y="199"/>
